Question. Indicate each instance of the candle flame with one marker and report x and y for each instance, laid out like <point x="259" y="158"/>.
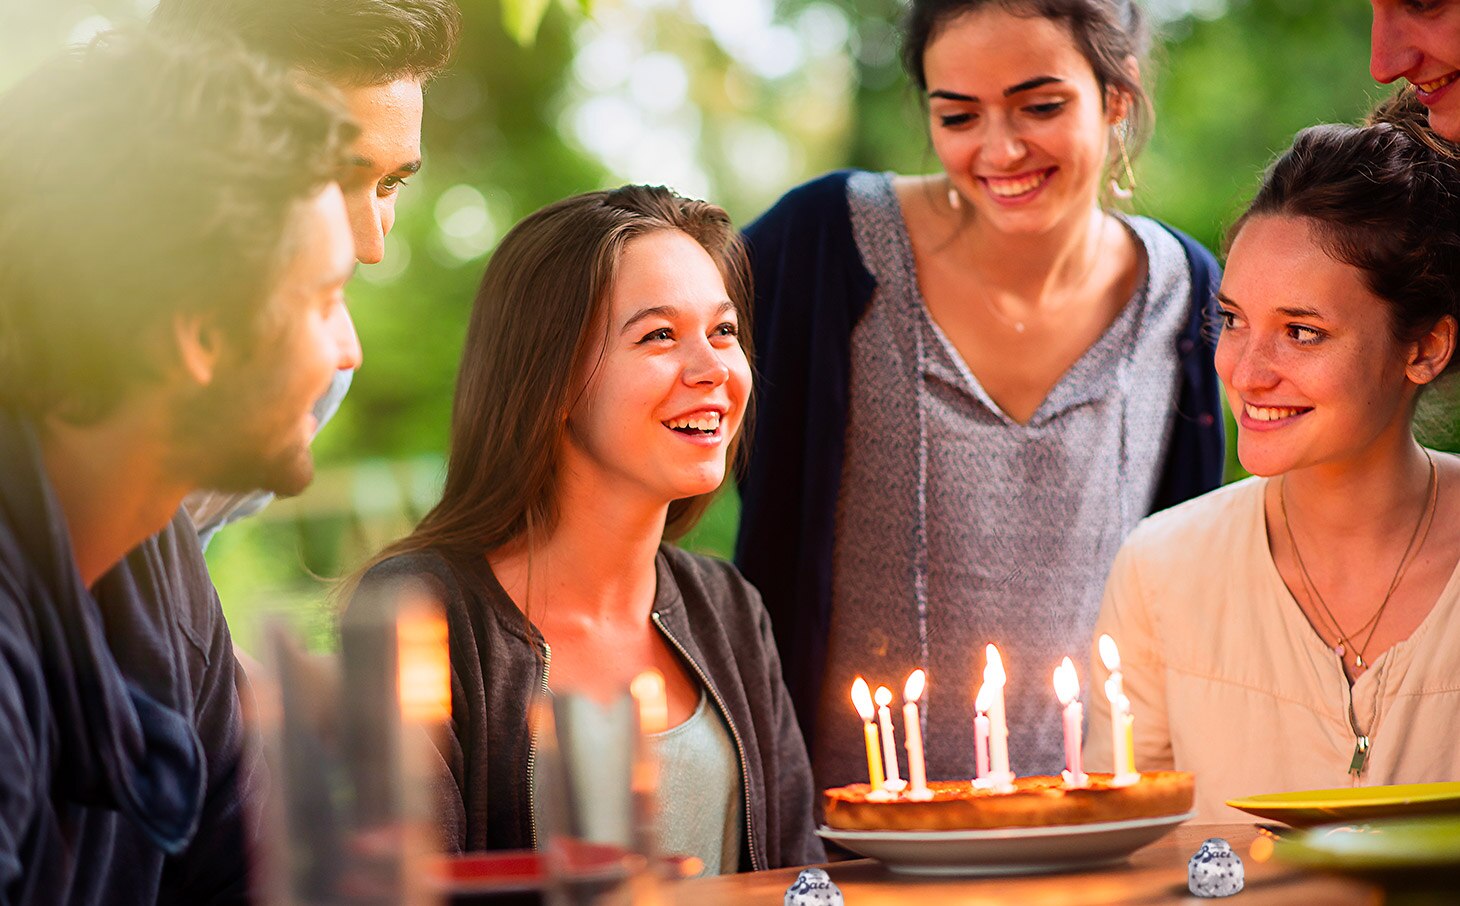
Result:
<point x="1109" y="654"/>
<point x="650" y="695"/>
<point x="1066" y="682"/>
<point x="862" y="698"/>
<point x="883" y="696"/>
<point x="913" y="690"/>
<point x="984" y="700"/>
<point x="1113" y="690"/>
<point x="993" y="670"/>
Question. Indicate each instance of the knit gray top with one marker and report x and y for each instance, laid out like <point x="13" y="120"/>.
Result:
<point x="958" y="526"/>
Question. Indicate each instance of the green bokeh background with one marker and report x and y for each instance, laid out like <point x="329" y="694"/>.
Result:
<point x="738" y="119"/>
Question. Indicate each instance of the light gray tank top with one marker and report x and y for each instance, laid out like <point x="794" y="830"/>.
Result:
<point x="699" y="791"/>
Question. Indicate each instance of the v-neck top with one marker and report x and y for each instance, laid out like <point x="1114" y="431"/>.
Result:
<point x="1228" y="679"/>
<point x="958" y="526"/>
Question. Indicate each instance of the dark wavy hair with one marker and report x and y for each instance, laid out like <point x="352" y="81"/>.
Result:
<point x="1107" y="32"/>
<point x="1384" y="200"/>
<point x="348" y="42"/>
<point x="146" y="178"/>
<point x="538" y="321"/>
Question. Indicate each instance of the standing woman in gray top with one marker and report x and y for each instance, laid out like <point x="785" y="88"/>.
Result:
<point x="602" y="391"/>
<point x="973" y="383"/>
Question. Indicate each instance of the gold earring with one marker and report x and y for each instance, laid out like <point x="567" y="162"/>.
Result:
<point x="1128" y="191"/>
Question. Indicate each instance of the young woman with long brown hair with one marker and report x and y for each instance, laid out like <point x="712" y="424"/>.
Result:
<point x="602" y="391"/>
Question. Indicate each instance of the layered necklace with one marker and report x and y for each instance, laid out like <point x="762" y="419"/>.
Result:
<point x="1346" y="640"/>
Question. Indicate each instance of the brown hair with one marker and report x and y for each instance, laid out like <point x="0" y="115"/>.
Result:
<point x="348" y="42"/>
<point x="538" y="318"/>
<point x="1383" y="200"/>
<point x="1107" y="33"/>
<point x="148" y="178"/>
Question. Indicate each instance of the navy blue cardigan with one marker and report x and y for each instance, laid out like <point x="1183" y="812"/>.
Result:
<point x="811" y="289"/>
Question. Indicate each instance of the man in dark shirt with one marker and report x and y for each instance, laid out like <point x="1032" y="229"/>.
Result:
<point x="173" y="249"/>
<point x="378" y="54"/>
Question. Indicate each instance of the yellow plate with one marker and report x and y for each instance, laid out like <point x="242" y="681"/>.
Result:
<point x="1407" y="849"/>
<point x="1307" y="808"/>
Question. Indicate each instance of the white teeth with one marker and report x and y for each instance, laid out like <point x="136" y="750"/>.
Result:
<point x="704" y="421"/>
<point x="1430" y="87"/>
<point x="1268" y="413"/>
<point x="1008" y="188"/>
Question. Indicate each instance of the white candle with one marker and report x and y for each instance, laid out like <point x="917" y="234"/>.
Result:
<point x="912" y="726"/>
<point x="994" y="676"/>
<point x="1122" y="724"/>
<point x="894" y="780"/>
<point x="862" y="701"/>
<point x="981" y="734"/>
<point x="1067" y="687"/>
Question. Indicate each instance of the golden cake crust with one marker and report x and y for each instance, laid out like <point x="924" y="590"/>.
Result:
<point x="1035" y="802"/>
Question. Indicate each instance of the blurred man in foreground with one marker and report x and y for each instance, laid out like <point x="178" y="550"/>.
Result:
<point x="378" y="54"/>
<point x="173" y="251"/>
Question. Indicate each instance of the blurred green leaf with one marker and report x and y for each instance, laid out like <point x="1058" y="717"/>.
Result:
<point x="522" y="18"/>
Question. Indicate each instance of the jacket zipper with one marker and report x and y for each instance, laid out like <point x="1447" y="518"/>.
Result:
<point x="547" y="663"/>
<point x="756" y="863"/>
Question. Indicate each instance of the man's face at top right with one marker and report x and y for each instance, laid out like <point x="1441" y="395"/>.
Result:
<point x="386" y="154"/>
<point x="1420" y="43"/>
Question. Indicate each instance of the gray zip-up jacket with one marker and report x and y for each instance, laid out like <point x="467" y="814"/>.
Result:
<point x="706" y="611"/>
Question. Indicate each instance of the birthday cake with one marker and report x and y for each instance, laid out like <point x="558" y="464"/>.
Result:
<point x="1034" y="802"/>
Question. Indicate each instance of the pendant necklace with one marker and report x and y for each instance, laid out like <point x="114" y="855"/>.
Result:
<point x="1346" y="639"/>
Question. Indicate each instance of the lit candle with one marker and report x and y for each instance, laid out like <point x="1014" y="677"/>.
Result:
<point x="862" y="700"/>
<point x="652" y="699"/>
<point x="1122" y="723"/>
<point x="981" y="733"/>
<point x="994" y="677"/>
<point x="894" y="781"/>
<point x="912" y="724"/>
<point x="1067" y="687"/>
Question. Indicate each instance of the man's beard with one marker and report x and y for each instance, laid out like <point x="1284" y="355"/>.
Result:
<point x="231" y="437"/>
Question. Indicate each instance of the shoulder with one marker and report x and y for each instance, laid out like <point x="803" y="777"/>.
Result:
<point x="816" y="198"/>
<point x="713" y="581"/>
<point x="1189" y="538"/>
<point x="428" y="572"/>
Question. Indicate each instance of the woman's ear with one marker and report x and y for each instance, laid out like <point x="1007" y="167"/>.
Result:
<point x="198" y="343"/>
<point x="1432" y="352"/>
<point x="1118" y="101"/>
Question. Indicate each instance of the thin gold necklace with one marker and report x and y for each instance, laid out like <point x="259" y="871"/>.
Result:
<point x="1346" y="644"/>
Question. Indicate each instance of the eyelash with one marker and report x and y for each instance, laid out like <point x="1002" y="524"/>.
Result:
<point x="396" y="183"/>
<point x="1296" y="332"/>
<point x="667" y="333"/>
<point x="1039" y="111"/>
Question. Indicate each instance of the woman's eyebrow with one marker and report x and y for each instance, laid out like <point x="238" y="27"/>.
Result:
<point x="1026" y="85"/>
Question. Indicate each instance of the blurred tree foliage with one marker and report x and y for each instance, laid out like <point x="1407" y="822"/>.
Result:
<point x="543" y="102"/>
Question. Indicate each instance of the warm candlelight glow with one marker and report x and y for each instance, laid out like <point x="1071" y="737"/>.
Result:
<point x="862" y="699"/>
<point x="984" y="698"/>
<point x="1067" y="687"/>
<point x="913" y="689"/>
<point x="883" y="696"/>
<point x="893" y="781"/>
<point x="653" y="701"/>
<point x="1066" y="682"/>
<point x="993" y="671"/>
<point x="1109" y="654"/>
<point x="423" y="667"/>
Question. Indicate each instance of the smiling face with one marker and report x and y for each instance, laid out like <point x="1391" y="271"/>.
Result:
<point x="385" y="154"/>
<point x="1312" y="369"/>
<point x="1420" y="43"/>
<point x="1018" y="118"/>
<point x="671" y="388"/>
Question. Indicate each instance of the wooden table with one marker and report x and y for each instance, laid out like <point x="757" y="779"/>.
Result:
<point x="1154" y="875"/>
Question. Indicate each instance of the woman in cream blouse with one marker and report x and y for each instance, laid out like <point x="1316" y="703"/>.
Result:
<point x="1301" y="629"/>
